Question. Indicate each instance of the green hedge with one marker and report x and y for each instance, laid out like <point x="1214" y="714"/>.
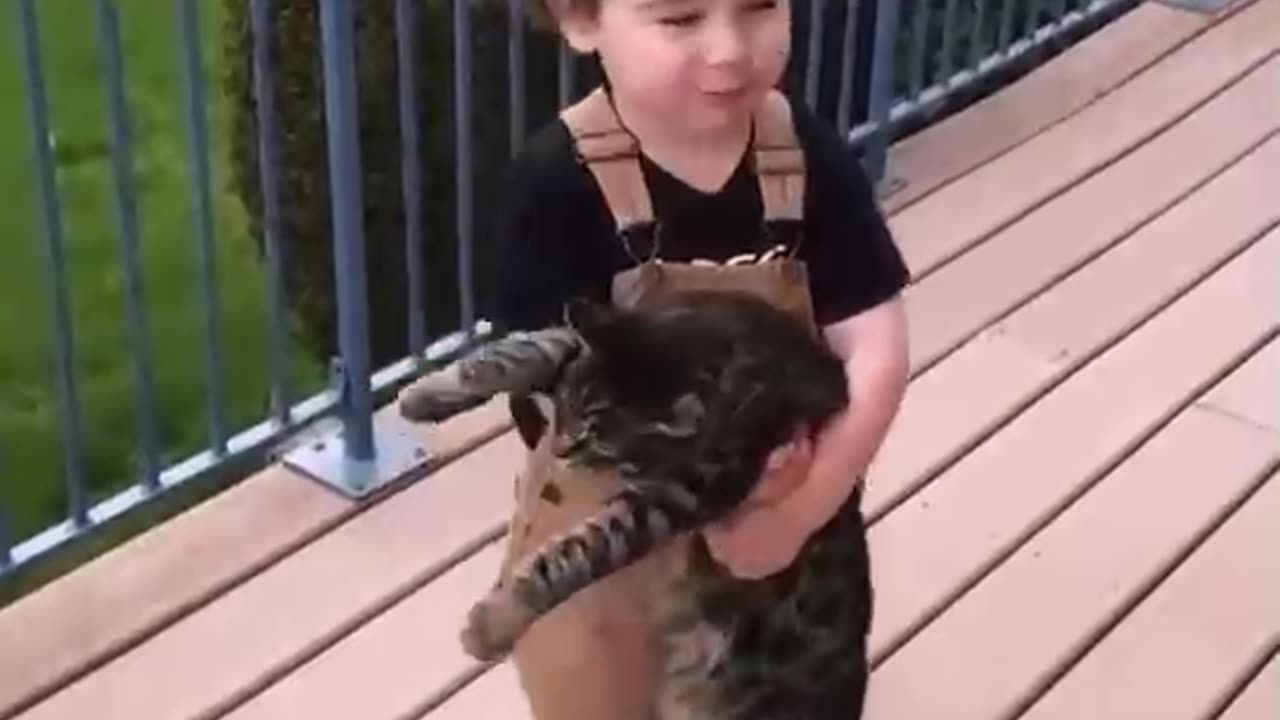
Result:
<point x="302" y="153"/>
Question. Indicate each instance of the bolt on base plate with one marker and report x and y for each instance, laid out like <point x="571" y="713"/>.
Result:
<point x="399" y="454"/>
<point x="1206" y="7"/>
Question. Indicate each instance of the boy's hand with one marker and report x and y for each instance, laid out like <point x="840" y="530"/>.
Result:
<point x="760" y="538"/>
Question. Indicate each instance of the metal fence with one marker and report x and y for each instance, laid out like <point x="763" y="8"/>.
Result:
<point x="873" y="68"/>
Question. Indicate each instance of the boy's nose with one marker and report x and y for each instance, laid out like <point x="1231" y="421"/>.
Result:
<point x="725" y="45"/>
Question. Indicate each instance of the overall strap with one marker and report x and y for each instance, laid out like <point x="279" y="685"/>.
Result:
<point x="779" y="160"/>
<point x="612" y="155"/>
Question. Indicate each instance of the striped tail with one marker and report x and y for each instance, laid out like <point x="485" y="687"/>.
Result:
<point x="629" y="528"/>
<point x="519" y="363"/>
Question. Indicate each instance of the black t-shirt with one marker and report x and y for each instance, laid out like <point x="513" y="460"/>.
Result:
<point x="556" y="238"/>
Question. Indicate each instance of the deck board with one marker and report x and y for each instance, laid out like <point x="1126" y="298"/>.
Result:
<point x="219" y="655"/>
<point x="413" y="646"/>
<point x="1053" y="92"/>
<point x="962" y="214"/>
<point x="90" y="615"/>
<point x="1085" y="220"/>
<point x="495" y="695"/>
<point x="987" y="378"/>
<point x="1255" y="400"/>
<point x="1081" y="573"/>
<point x="1261" y="698"/>
<point x="1191" y="638"/>
<point x="947" y="535"/>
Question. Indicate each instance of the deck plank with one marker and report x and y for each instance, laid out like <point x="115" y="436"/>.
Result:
<point x="960" y="215"/>
<point x="983" y="383"/>
<point x="948" y="305"/>
<point x="412" y="650"/>
<point x="1084" y="72"/>
<point x="1032" y="615"/>
<point x="249" y="637"/>
<point x="1255" y="399"/>
<point x="944" y="537"/>
<point x="1261" y="699"/>
<point x="496" y="694"/>
<point x="110" y="604"/>
<point x="1174" y="655"/>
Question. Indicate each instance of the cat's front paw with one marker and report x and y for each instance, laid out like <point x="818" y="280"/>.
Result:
<point x="435" y="398"/>
<point x="490" y="632"/>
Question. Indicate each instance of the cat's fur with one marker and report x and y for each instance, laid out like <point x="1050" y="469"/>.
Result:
<point x="685" y="399"/>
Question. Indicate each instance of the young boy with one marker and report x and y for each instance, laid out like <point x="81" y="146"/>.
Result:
<point x="685" y="78"/>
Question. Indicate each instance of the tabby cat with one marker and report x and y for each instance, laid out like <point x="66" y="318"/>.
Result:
<point x="685" y="399"/>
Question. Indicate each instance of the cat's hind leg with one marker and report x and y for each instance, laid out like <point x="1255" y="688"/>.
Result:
<point x="519" y="363"/>
<point x="628" y="527"/>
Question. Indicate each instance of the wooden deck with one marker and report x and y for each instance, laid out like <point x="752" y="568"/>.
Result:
<point x="1074" y="517"/>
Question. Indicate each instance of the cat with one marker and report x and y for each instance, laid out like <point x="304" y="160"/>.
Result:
<point x="685" y="399"/>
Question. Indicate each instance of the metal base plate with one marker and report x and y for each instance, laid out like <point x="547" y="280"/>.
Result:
<point x="398" y="455"/>
<point x="1207" y="7"/>
<point x="889" y="185"/>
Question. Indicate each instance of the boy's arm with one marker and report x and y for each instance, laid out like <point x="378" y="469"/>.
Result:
<point x="765" y="539"/>
<point x="875" y="350"/>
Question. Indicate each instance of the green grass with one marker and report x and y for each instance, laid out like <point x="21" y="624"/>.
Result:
<point x="31" y="470"/>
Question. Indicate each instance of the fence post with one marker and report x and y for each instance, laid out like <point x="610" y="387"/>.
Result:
<point x="355" y="461"/>
<point x="6" y="535"/>
<point x="883" y="74"/>
<point x="71" y="423"/>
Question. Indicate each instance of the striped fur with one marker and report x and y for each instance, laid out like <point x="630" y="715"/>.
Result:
<point x="685" y="399"/>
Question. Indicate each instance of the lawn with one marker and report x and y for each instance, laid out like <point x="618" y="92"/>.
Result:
<point x="31" y="470"/>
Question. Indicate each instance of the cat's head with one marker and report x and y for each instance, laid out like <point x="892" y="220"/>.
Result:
<point x="638" y="389"/>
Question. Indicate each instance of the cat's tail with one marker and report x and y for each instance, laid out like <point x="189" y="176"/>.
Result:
<point x="629" y="527"/>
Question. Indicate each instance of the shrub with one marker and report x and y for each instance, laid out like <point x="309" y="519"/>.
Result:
<point x="298" y="83"/>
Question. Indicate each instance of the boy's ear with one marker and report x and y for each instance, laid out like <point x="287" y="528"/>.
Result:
<point x="576" y="24"/>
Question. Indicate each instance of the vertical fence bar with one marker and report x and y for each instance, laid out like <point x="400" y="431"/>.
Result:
<point x="59" y="306"/>
<point x="1006" y="25"/>
<point x="848" y="57"/>
<point x="198" y="149"/>
<point x="6" y="532"/>
<point x="564" y="73"/>
<point x="882" y="85"/>
<point x="342" y="128"/>
<point x="462" y="163"/>
<point x="1033" y="18"/>
<point x="813" y="63"/>
<point x="977" y="33"/>
<point x="6" y="535"/>
<point x="272" y="236"/>
<point x="948" y="41"/>
<point x="411" y="171"/>
<point x="127" y="220"/>
<point x="919" y="43"/>
<point x="515" y="74"/>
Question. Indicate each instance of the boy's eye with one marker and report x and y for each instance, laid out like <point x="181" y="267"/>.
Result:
<point x="685" y="19"/>
<point x="682" y="20"/>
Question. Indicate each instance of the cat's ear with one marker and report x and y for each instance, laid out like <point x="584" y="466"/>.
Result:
<point x="594" y="321"/>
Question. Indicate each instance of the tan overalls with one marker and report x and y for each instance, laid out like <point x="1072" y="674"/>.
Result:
<point x="596" y="657"/>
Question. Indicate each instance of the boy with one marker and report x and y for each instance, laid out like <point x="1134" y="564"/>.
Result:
<point x="686" y="79"/>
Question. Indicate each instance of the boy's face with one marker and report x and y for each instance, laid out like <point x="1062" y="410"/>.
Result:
<point x="702" y="63"/>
